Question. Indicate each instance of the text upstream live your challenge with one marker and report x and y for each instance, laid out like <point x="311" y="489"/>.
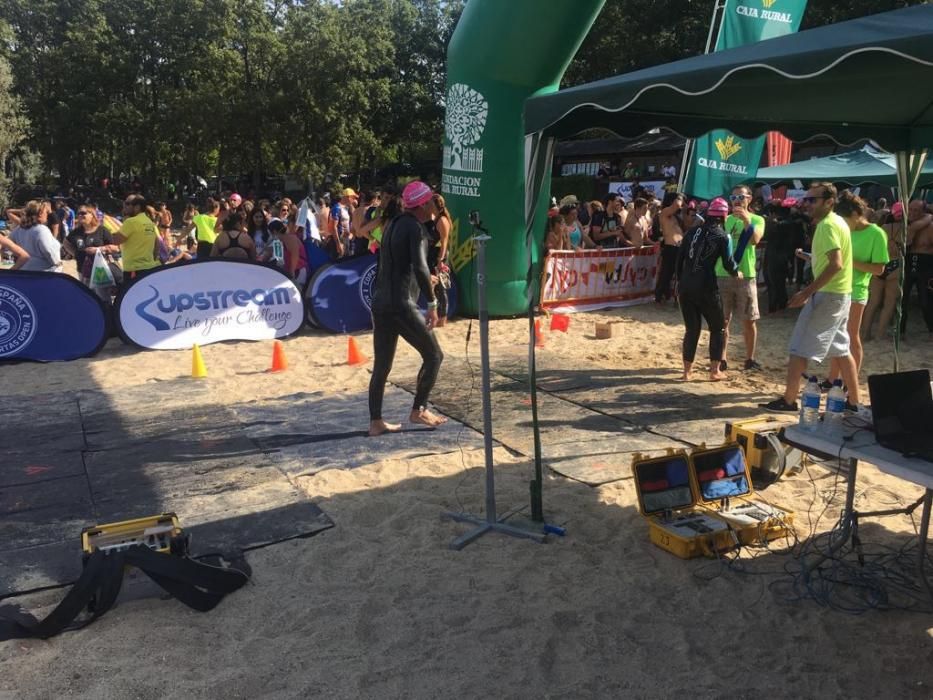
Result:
<point x="203" y="301"/>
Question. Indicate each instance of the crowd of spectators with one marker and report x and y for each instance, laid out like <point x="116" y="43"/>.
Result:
<point x="288" y="234"/>
<point x="771" y="245"/>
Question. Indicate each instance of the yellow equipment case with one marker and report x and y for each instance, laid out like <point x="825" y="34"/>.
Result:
<point x="722" y="482"/>
<point x="666" y="499"/>
<point x="766" y="455"/>
<point x="160" y="533"/>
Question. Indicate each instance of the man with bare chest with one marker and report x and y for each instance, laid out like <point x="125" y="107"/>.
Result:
<point x="672" y="234"/>
<point x="637" y="224"/>
<point x="919" y="262"/>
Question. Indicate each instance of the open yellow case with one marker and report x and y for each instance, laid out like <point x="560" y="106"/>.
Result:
<point x="722" y="483"/>
<point x="667" y="500"/>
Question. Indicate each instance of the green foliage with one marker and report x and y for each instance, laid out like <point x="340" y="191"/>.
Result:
<point x="166" y="89"/>
<point x="632" y="34"/>
<point x="584" y="186"/>
<point x="12" y="125"/>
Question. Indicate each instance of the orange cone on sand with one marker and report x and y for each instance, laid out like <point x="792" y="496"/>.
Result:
<point x="539" y="338"/>
<point x="279" y="362"/>
<point x="198" y="369"/>
<point x="560" y="322"/>
<point x="354" y="356"/>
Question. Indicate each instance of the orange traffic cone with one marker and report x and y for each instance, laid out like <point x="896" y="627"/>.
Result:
<point x="539" y="338"/>
<point x="354" y="356"/>
<point x="279" y="363"/>
<point x="560" y="322"/>
<point x="198" y="369"/>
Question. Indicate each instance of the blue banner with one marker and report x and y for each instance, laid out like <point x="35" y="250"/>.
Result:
<point x="339" y="296"/>
<point x="48" y="317"/>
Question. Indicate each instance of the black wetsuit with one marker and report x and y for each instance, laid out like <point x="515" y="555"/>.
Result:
<point x="785" y="236"/>
<point x="699" y="292"/>
<point x="919" y="274"/>
<point x="403" y="271"/>
<point x="668" y="260"/>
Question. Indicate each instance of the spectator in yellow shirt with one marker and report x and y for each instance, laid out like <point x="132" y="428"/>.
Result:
<point x="137" y="238"/>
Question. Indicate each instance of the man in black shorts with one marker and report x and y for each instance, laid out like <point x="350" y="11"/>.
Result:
<point x="403" y="271"/>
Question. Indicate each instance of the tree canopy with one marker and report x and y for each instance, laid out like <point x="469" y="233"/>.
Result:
<point x="169" y="89"/>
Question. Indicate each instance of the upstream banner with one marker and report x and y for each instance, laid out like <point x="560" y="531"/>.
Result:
<point x="721" y="160"/>
<point x="178" y="306"/>
<point x="598" y="279"/>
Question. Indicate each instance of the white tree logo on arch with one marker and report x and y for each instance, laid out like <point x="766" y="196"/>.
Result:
<point x="464" y="124"/>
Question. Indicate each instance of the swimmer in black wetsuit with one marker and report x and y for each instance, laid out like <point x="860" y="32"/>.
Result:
<point x="403" y="271"/>
<point x="699" y="291"/>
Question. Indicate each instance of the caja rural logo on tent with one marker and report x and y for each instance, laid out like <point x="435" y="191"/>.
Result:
<point x="17" y="321"/>
<point x="728" y="148"/>
<point x="766" y="14"/>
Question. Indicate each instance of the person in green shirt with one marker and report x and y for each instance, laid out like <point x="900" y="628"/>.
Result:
<point x="869" y="257"/>
<point x="821" y="328"/>
<point x="204" y="224"/>
<point x="740" y="294"/>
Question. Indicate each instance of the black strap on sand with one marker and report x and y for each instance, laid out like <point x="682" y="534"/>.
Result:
<point x="199" y="585"/>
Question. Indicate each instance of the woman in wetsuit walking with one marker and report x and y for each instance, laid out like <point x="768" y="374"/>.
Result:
<point x="403" y="272"/>
<point x="699" y="298"/>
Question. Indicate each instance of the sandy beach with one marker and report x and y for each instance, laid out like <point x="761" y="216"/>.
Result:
<point x="379" y="607"/>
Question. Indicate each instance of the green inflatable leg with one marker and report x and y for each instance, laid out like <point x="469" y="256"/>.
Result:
<point x="502" y="52"/>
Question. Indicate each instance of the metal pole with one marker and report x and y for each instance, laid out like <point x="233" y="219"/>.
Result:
<point x="484" y="359"/>
<point x="490" y="522"/>
<point x="688" y="146"/>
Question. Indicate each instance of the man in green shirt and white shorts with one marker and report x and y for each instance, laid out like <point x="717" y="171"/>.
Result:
<point x="740" y="294"/>
<point x="820" y="331"/>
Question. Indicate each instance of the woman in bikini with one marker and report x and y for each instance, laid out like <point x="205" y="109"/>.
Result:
<point x="234" y="242"/>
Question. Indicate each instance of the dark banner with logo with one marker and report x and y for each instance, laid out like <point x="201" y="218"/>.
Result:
<point x="339" y="296"/>
<point x="205" y="302"/>
<point x="48" y="317"/>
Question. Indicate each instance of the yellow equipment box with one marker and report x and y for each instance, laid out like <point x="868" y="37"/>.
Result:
<point x="765" y="454"/>
<point x="161" y="533"/>
<point x="666" y="499"/>
<point x="722" y="482"/>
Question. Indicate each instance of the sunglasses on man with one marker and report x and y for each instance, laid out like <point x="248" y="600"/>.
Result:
<point x="811" y="200"/>
<point x="738" y="197"/>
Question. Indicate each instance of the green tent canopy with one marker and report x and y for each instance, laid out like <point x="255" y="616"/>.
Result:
<point x="865" y="166"/>
<point x="867" y="78"/>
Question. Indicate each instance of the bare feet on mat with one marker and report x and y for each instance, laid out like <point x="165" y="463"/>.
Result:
<point x="379" y="427"/>
<point x="423" y="416"/>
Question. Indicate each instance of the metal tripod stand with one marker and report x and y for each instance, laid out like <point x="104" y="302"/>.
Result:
<point x="490" y="523"/>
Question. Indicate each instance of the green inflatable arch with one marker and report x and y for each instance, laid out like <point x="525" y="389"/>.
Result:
<point x="502" y="52"/>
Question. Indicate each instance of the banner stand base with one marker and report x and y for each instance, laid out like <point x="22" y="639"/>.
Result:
<point x="489" y="523"/>
<point x="484" y="526"/>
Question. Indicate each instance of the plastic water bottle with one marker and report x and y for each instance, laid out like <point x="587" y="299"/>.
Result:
<point x="835" y="408"/>
<point x="278" y="251"/>
<point x="810" y="406"/>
